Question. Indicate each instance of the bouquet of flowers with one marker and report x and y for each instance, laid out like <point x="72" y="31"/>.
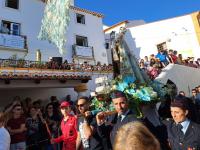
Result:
<point x="136" y="93"/>
<point x="140" y="93"/>
<point x="101" y="103"/>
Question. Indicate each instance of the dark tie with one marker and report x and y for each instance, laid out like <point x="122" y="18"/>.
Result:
<point x="180" y="132"/>
<point x="119" y="118"/>
<point x="179" y="127"/>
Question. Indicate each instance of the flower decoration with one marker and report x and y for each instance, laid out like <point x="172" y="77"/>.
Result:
<point x="139" y="93"/>
<point x="136" y="93"/>
<point x="101" y="104"/>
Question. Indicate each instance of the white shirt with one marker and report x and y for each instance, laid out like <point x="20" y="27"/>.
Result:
<point x="185" y="124"/>
<point x="123" y="115"/>
<point x="4" y="139"/>
<point x="85" y="142"/>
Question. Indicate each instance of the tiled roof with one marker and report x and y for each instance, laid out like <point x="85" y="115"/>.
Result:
<point x="115" y="25"/>
<point x="43" y="76"/>
<point x="83" y="10"/>
<point x="87" y="11"/>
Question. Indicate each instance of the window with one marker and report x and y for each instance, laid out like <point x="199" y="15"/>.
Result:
<point x="12" y="4"/>
<point x="162" y="46"/>
<point x="107" y="45"/>
<point x="80" y="18"/>
<point x="14" y="28"/>
<point x="81" y="41"/>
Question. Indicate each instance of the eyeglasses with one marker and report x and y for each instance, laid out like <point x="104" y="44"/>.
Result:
<point x="80" y="105"/>
<point x="18" y="109"/>
<point x="50" y="107"/>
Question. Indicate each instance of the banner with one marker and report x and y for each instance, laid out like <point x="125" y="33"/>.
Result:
<point x="55" y="22"/>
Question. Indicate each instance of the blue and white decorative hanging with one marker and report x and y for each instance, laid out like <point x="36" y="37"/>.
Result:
<point x="55" y="22"/>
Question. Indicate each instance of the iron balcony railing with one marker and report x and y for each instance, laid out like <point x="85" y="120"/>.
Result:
<point x="83" y="51"/>
<point x="52" y="65"/>
<point x="13" y="41"/>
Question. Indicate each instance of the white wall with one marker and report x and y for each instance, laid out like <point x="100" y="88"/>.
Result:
<point x="30" y="15"/>
<point x="93" y="29"/>
<point x="179" y="33"/>
<point x="72" y="2"/>
<point x="129" y="38"/>
<point x="45" y="93"/>
<point x="115" y="29"/>
<point x="40" y="93"/>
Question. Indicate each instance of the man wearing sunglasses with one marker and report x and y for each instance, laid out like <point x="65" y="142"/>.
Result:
<point x="87" y="138"/>
<point x="68" y="127"/>
<point x="108" y="128"/>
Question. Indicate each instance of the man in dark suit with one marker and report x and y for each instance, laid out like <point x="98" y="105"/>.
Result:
<point x="122" y="116"/>
<point x="183" y="134"/>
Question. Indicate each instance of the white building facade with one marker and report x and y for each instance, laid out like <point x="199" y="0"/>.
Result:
<point x="85" y="43"/>
<point x="115" y="29"/>
<point x="85" y="37"/>
<point x="179" y="33"/>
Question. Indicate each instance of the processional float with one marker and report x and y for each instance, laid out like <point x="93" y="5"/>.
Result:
<point x="142" y="92"/>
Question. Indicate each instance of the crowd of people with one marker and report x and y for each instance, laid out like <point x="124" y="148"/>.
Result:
<point x="154" y="63"/>
<point x="85" y="66"/>
<point x="29" y="125"/>
<point x="72" y="66"/>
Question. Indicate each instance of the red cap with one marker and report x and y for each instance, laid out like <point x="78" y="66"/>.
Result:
<point x="64" y="104"/>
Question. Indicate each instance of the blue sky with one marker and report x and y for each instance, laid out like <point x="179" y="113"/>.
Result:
<point x="148" y="10"/>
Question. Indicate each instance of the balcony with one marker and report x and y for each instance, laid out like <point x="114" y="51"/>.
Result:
<point x="82" y="52"/>
<point x="13" y="42"/>
<point x="65" y="73"/>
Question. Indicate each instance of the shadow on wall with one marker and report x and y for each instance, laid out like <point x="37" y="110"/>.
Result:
<point x="132" y="44"/>
<point x="44" y="94"/>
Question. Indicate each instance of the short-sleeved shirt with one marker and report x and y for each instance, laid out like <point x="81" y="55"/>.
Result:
<point x="16" y="124"/>
<point x="94" y="142"/>
<point x="5" y="139"/>
<point x="161" y="57"/>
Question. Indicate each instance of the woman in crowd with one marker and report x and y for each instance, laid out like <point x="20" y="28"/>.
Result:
<point x="53" y="120"/>
<point x="183" y="133"/>
<point x="180" y="59"/>
<point x="36" y="132"/>
<point x="4" y="135"/>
